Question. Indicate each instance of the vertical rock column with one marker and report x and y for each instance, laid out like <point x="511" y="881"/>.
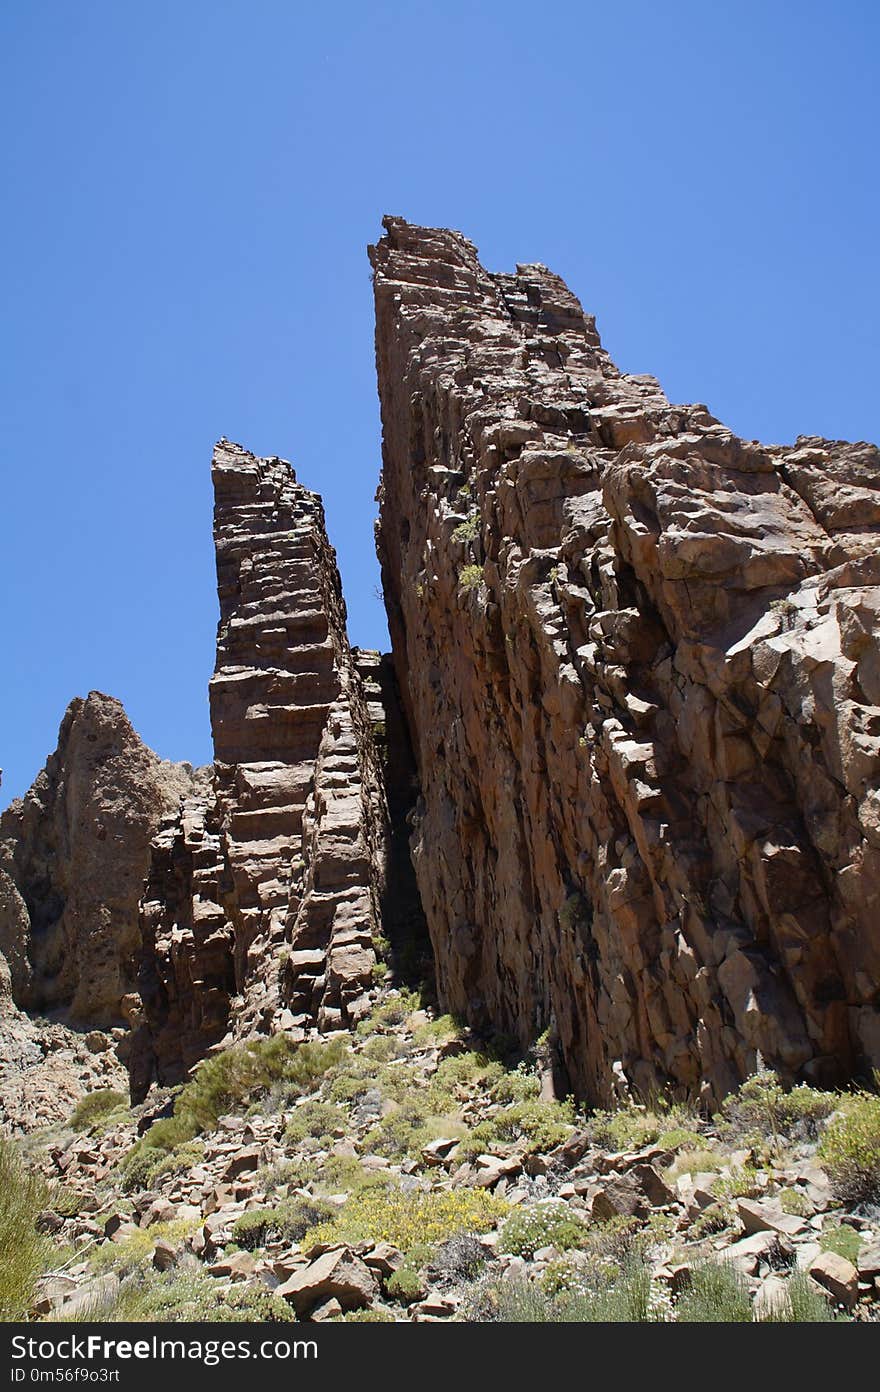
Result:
<point x="263" y="900"/>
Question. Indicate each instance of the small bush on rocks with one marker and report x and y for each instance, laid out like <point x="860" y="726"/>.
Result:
<point x="718" y="1294"/>
<point x="405" y="1219"/>
<point x="741" y="1183"/>
<point x="850" y="1149"/>
<point x="288" y="1221"/>
<point x="794" y="1202"/>
<point x="133" y="1251"/>
<point x="841" y="1239"/>
<point x="405" y="1285"/>
<point x="140" y="1165"/>
<point x="96" y="1107"/>
<point x="762" y="1110"/>
<point x="539" y="1126"/>
<point x="314" y="1119"/>
<point x="547" y="1224"/>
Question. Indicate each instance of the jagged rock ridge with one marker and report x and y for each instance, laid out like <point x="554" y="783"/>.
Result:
<point x="639" y="659"/>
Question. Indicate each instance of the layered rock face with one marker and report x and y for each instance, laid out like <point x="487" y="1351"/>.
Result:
<point x="73" y="856"/>
<point x="264" y="892"/>
<point x="639" y="660"/>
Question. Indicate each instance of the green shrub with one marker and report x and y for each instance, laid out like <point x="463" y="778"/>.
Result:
<point x="841" y="1239"/>
<point x="370" y="1314"/>
<point x="680" y="1138"/>
<point x="288" y="1221"/>
<point x="626" y="1300"/>
<point x="467" y="531"/>
<point x="180" y="1161"/>
<point x="405" y="1220"/>
<point x="139" y="1166"/>
<point x="24" y="1250"/>
<point x="761" y="1109"/>
<point x="134" y="1250"/>
<point x="516" y="1086"/>
<point x="341" y="1173"/>
<point x="741" y="1183"/>
<point x="796" y="1203"/>
<point x="405" y="1285"/>
<point x="405" y="1131"/>
<point x="232" y="1080"/>
<point x="314" y="1119"/>
<point x="470" y="577"/>
<point x="850" y="1149"/>
<point x="550" y="1223"/>
<point x="94" y="1109"/>
<point x="539" y="1126"/>
<point x="440" y="1031"/>
<point x="718" y="1294"/>
<point x="630" y="1128"/>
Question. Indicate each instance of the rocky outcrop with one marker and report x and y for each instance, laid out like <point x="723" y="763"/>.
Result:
<point x="73" y="856"/>
<point x="639" y="660"/>
<point x="263" y="899"/>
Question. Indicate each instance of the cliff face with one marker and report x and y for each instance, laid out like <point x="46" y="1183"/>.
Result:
<point x="73" y="856"/>
<point x="639" y="659"/>
<point x="262" y="903"/>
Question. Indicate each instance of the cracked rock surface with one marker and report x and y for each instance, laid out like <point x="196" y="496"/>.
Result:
<point x="639" y="659"/>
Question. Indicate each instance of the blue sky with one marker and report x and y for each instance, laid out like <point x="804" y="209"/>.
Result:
<point x="189" y="191"/>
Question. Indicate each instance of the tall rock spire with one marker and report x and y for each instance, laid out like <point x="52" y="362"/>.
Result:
<point x="639" y="660"/>
<point x="262" y="905"/>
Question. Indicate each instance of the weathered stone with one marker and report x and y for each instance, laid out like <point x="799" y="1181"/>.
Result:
<point x="263" y="898"/>
<point x="639" y="662"/>
<point x="338" y="1274"/>
<point x="768" y="1217"/>
<point x="837" y="1276"/>
<point x="620" y="1197"/>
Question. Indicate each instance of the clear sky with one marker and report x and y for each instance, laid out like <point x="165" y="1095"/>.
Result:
<point x="189" y="187"/>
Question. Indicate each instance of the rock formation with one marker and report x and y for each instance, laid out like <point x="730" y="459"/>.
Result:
<point x="639" y="660"/>
<point x="635" y="692"/>
<point x="263" y="898"/>
<point x="73" y="855"/>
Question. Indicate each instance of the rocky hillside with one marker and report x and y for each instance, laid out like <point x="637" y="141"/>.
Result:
<point x="639" y="658"/>
<point x="405" y="1171"/>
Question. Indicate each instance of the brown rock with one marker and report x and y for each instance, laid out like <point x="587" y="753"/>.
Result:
<point x="619" y="1198"/>
<point x="639" y="661"/>
<point x="262" y="901"/>
<point x="76" y="850"/>
<point x="837" y="1276"/>
<point x="338" y="1274"/>
<point x="767" y="1217"/>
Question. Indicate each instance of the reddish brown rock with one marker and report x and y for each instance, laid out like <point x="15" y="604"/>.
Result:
<point x="74" y="855"/>
<point x="263" y="899"/>
<point x="639" y="660"/>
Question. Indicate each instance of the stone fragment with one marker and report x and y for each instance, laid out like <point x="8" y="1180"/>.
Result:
<point x="837" y="1276"/>
<point x="336" y="1273"/>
